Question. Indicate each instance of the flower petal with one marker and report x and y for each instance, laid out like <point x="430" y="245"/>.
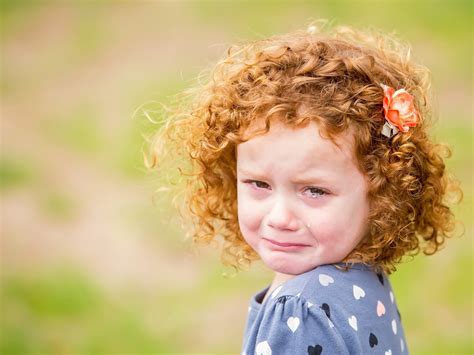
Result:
<point x="400" y="92"/>
<point x="399" y="109"/>
<point x="394" y="118"/>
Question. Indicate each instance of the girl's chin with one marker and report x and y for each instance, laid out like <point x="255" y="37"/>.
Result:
<point x="288" y="265"/>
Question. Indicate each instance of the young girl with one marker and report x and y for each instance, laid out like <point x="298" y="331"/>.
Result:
<point x="310" y="152"/>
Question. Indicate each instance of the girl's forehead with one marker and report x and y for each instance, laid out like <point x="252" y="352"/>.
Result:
<point x="343" y="141"/>
<point x="302" y="144"/>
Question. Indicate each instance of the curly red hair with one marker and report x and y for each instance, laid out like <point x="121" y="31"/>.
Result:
<point x="332" y="77"/>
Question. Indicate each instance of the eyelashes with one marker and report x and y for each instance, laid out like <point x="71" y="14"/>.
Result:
<point x="256" y="182"/>
<point x="319" y="192"/>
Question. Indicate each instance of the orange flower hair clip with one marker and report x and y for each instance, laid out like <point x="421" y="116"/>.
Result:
<point x="399" y="111"/>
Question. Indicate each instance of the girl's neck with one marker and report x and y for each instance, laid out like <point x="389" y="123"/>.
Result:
<point x="278" y="280"/>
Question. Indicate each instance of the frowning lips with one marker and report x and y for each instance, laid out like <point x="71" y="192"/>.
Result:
<point x="285" y="244"/>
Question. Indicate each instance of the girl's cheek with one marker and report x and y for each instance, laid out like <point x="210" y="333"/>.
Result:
<point x="250" y="218"/>
<point x="250" y="214"/>
<point x="323" y="229"/>
<point x="249" y="227"/>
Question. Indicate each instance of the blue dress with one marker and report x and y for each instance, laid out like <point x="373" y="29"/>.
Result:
<point x="327" y="311"/>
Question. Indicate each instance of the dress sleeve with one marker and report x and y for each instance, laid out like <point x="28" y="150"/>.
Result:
<point x="292" y="325"/>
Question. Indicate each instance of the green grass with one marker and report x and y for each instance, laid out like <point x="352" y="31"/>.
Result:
<point x="16" y="171"/>
<point x="58" y="205"/>
<point x="62" y="292"/>
<point x="78" y="130"/>
<point x="144" y="116"/>
<point x="436" y="309"/>
<point x="125" y="157"/>
<point x="65" y="311"/>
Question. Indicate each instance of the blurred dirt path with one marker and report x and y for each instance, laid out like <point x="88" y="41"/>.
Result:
<point x="103" y="237"/>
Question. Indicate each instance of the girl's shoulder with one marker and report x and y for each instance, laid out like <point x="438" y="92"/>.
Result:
<point x="336" y="291"/>
<point x="348" y="311"/>
<point x="336" y="281"/>
<point x="348" y="297"/>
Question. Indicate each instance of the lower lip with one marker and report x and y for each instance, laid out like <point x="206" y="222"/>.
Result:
<point x="285" y="246"/>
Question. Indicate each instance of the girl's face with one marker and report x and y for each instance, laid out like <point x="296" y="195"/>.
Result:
<point x="302" y="202"/>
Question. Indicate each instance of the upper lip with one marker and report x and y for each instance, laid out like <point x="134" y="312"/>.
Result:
<point x="284" y="244"/>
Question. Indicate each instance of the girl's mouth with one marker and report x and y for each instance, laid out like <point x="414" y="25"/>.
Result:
<point x="285" y="245"/>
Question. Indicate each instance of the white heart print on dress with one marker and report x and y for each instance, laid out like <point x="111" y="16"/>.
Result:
<point x="293" y="323"/>
<point x="394" y="326"/>
<point x="358" y="292"/>
<point x="263" y="348"/>
<point x="353" y="322"/>
<point x="325" y="280"/>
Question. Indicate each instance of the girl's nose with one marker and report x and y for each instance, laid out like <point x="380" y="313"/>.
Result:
<point x="281" y="217"/>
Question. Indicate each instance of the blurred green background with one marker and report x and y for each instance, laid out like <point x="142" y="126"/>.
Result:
<point x="89" y="264"/>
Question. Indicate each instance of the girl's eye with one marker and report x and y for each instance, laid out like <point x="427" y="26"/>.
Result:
<point x="316" y="192"/>
<point x="259" y="184"/>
